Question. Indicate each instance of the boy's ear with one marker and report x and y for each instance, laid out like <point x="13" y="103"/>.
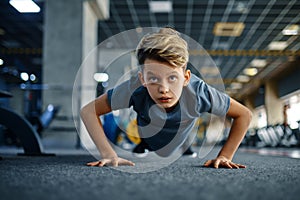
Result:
<point x="187" y="77"/>
<point x="141" y="77"/>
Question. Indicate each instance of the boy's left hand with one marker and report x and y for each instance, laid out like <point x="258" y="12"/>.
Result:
<point x="223" y="162"/>
<point x="116" y="161"/>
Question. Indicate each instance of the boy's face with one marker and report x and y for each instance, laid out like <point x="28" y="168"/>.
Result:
<point x="164" y="82"/>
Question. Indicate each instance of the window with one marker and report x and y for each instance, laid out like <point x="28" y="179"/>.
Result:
<point x="293" y="111"/>
<point x="262" y="117"/>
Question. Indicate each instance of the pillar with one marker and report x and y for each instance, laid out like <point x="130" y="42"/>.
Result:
<point x="249" y="103"/>
<point x="62" y="52"/>
<point x="272" y="103"/>
<point x="70" y="33"/>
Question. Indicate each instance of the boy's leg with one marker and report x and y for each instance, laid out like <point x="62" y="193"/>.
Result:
<point x="187" y="148"/>
<point x="189" y="152"/>
<point x="141" y="149"/>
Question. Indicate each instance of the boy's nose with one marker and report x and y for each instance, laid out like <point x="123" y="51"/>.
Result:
<point x="163" y="88"/>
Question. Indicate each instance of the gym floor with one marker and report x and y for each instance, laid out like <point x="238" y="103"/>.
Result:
<point x="65" y="176"/>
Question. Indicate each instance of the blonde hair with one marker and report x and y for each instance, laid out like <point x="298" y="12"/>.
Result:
<point x="165" y="46"/>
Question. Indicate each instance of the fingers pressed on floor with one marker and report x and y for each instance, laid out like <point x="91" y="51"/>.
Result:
<point x="234" y="165"/>
<point x="207" y="163"/>
<point x="216" y="164"/>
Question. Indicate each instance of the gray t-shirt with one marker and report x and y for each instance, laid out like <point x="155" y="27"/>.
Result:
<point x="164" y="131"/>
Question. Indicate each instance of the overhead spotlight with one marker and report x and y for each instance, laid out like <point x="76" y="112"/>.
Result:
<point x="32" y="77"/>
<point x="242" y="7"/>
<point x="243" y="78"/>
<point x="293" y="29"/>
<point x="250" y="71"/>
<point x="101" y="77"/>
<point x="277" y="45"/>
<point x="160" y="6"/>
<point x="139" y="29"/>
<point x="230" y="29"/>
<point x="25" y="6"/>
<point x="50" y="107"/>
<point x="236" y="86"/>
<point x="24" y="76"/>
<point x="258" y="63"/>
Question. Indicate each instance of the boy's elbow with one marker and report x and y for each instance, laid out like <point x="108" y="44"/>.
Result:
<point x="83" y="111"/>
<point x="248" y="116"/>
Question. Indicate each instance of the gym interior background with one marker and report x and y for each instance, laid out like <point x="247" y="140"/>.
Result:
<point x="255" y="45"/>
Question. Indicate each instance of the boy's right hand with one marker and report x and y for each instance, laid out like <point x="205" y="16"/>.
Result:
<point x="116" y="161"/>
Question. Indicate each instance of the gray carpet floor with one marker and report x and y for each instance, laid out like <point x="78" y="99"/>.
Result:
<point x="67" y="177"/>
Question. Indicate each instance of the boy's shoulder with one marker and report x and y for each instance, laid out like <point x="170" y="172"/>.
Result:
<point x="195" y="83"/>
<point x="140" y="91"/>
<point x="195" y="79"/>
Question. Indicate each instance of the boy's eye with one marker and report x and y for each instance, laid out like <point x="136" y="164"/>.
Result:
<point x="173" y="78"/>
<point x="153" y="80"/>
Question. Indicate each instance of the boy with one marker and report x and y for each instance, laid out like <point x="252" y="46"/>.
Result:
<point x="168" y="99"/>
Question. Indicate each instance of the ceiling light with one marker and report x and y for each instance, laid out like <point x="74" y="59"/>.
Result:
<point x="291" y="30"/>
<point x="24" y="76"/>
<point x="101" y="77"/>
<point x="1" y="62"/>
<point x="25" y="6"/>
<point x="233" y="29"/>
<point x="243" y="78"/>
<point x="277" y="45"/>
<point x="50" y="107"/>
<point x="236" y="86"/>
<point x="160" y="6"/>
<point x="241" y="7"/>
<point x="229" y="91"/>
<point x="32" y="77"/>
<point x="139" y="29"/>
<point x="258" y="63"/>
<point x="251" y="71"/>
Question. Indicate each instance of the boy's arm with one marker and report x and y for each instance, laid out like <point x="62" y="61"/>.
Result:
<point x="241" y="119"/>
<point x="90" y="117"/>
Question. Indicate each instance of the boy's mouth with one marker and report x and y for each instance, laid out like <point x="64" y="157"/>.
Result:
<point x="164" y="99"/>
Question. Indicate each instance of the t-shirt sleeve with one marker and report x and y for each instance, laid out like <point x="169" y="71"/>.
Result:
<point x="219" y="100"/>
<point x="211" y="100"/>
<point x="119" y="96"/>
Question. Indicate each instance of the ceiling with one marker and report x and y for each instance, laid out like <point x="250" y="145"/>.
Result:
<point x="21" y="35"/>
<point x="21" y="41"/>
